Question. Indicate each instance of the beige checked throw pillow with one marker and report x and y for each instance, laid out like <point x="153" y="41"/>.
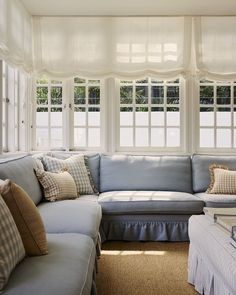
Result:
<point x="12" y="249"/>
<point x="57" y="186"/>
<point x="224" y="182"/>
<point x="212" y="175"/>
<point x="76" y="167"/>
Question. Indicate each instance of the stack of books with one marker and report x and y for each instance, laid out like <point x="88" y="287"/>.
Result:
<point x="225" y="218"/>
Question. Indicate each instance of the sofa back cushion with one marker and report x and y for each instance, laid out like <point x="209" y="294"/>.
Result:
<point x="166" y="173"/>
<point x="200" y="169"/>
<point x="21" y="171"/>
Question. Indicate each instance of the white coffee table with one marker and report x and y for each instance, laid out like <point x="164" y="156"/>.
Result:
<point x="212" y="259"/>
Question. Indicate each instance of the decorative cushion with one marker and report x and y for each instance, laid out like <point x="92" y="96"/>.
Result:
<point x="26" y="217"/>
<point x="76" y="167"/>
<point x="57" y="186"/>
<point x="12" y="249"/>
<point x="225" y="182"/>
<point x="212" y="175"/>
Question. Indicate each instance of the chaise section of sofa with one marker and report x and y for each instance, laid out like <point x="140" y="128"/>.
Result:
<point x="73" y="235"/>
<point x="146" y="197"/>
<point x="201" y="179"/>
<point x="67" y="269"/>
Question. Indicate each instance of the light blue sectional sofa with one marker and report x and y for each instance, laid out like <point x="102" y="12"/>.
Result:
<point x="144" y="198"/>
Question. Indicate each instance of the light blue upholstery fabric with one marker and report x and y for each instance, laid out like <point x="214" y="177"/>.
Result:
<point x="200" y="169"/>
<point x="146" y="202"/>
<point x="219" y="201"/>
<point x="21" y="171"/>
<point x="66" y="270"/>
<point x="72" y="216"/>
<point x="162" y="173"/>
<point x="145" y="227"/>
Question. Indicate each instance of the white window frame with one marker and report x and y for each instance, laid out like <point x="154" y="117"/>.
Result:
<point x="102" y="104"/>
<point x="48" y="106"/>
<point x="182" y="149"/>
<point x="197" y="105"/>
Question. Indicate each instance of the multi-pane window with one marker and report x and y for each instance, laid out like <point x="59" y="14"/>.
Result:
<point x="49" y="126"/>
<point x="149" y="114"/>
<point x="86" y="110"/>
<point x="217" y="114"/>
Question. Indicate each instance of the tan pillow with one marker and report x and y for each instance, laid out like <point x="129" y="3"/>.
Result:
<point x="26" y="217"/>
<point x="212" y="175"/>
<point x="12" y="249"/>
<point x="57" y="186"/>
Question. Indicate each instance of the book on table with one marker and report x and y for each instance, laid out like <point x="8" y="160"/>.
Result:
<point x="226" y="218"/>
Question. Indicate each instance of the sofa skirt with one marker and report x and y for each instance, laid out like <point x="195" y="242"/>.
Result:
<point x="205" y="280"/>
<point x="144" y="227"/>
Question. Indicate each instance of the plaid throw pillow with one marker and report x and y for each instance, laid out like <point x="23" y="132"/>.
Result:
<point x="225" y="182"/>
<point x="12" y="249"/>
<point x="57" y="186"/>
<point x="75" y="165"/>
<point x="212" y="175"/>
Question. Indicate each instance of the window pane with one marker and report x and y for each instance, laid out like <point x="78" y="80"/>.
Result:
<point x="56" y="95"/>
<point x="141" y="137"/>
<point x="223" y="138"/>
<point x="157" y="116"/>
<point x="79" y="80"/>
<point x="42" y="139"/>
<point x="126" y="95"/>
<point x="173" y="137"/>
<point x="94" y="116"/>
<point x="126" y="137"/>
<point x="173" y="95"/>
<point x="157" y="137"/>
<point x="79" y="95"/>
<point x="206" y="117"/>
<point x="79" y="117"/>
<point x="94" y="95"/>
<point x="126" y="116"/>
<point x="94" y="137"/>
<point x="207" y="137"/>
<point x="42" y="117"/>
<point x="56" y="116"/>
<point x="142" y="80"/>
<point x="157" y="94"/>
<point x="141" y="116"/>
<point x="56" y="137"/>
<point x="173" y="117"/>
<point x="80" y="137"/>
<point x="223" y="94"/>
<point x="223" y="117"/>
<point x="206" y="94"/>
<point x="141" y="95"/>
<point x="42" y="95"/>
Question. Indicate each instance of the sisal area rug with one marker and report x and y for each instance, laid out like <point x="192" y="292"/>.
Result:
<point x="143" y="268"/>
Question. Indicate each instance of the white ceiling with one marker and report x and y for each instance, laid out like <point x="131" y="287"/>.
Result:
<point x="130" y="7"/>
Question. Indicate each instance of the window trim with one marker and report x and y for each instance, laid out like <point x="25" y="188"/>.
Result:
<point x="213" y="150"/>
<point x="182" y="110"/>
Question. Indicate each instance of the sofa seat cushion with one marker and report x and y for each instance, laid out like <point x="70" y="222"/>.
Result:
<point x="72" y="216"/>
<point x="220" y="201"/>
<point x="149" y="202"/>
<point x="67" y="269"/>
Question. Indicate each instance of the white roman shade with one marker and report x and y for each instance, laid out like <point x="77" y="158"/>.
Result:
<point x="215" y="44"/>
<point x="112" y="46"/>
<point x="16" y="34"/>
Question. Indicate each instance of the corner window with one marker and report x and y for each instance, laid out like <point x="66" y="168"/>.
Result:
<point x="49" y="114"/>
